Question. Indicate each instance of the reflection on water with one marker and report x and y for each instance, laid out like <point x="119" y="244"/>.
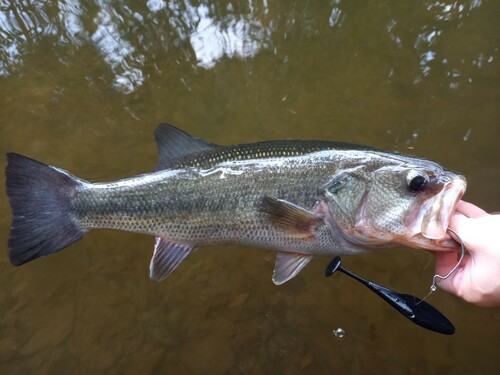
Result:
<point x="84" y="83"/>
<point x="113" y="28"/>
<point x="129" y="36"/>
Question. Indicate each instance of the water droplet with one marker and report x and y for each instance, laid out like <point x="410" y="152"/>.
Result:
<point x="339" y="332"/>
<point x="466" y="136"/>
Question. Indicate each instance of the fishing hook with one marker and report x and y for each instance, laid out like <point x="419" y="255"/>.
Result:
<point x="433" y="287"/>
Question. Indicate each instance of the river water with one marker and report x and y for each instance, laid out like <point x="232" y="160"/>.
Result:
<point x="83" y="84"/>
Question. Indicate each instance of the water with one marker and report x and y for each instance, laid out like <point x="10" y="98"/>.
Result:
<point x="339" y="332"/>
<point x="84" y="84"/>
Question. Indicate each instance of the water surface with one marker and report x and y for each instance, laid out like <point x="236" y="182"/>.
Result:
<point x="83" y="84"/>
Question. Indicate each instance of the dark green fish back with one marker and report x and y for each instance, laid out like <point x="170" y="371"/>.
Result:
<point x="178" y="149"/>
<point x="260" y="150"/>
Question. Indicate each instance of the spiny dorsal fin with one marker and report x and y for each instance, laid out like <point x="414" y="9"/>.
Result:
<point x="288" y="265"/>
<point x="173" y="144"/>
<point x="289" y="217"/>
<point x="167" y="256"/>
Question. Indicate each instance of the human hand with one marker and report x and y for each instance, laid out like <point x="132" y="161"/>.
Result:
<point x="477" y="279"/>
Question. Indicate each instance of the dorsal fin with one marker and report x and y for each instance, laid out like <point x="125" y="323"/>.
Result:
<point x="173" y="144"/>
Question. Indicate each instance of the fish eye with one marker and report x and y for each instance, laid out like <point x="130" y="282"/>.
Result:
<point x="417" y="181"/>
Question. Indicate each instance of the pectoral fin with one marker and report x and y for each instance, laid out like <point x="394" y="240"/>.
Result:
<point x="167" y="256"/>
<point x="288" y="265"/>
<point x="289" y="217"/>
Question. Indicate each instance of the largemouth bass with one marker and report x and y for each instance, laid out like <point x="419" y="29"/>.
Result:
<point x="299" y="198"/>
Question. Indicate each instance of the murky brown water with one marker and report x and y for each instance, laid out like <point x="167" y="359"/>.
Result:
<point x="84" y="84"/>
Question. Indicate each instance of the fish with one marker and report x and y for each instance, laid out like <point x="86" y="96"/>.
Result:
<point x="298" y="198"/>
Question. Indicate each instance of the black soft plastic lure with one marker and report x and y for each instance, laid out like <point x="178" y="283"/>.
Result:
<point x="415" y="309"/>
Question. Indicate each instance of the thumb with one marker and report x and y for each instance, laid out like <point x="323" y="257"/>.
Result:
<point x="445" y="261"/>
<point x="461" y="226"/>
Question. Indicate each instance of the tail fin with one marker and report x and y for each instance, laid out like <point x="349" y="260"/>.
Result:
<point x="39" y="196"/>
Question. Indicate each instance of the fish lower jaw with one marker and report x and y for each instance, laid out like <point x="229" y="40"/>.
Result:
<point x="378" y="239"/>
<point x="420" y="242"/>
<point x="373" y="239"/>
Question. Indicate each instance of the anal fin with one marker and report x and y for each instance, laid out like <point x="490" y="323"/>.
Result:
<point x="288" y="265"/>
<point x="167" y="256"/>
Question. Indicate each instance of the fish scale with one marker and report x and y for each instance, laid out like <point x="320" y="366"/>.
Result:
<point x="298" y="198"/>
<point x="180" y="207"/>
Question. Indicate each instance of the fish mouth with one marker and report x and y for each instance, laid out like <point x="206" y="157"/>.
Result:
<point x="429" y="224"/>
<point x="438" y="214"/>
